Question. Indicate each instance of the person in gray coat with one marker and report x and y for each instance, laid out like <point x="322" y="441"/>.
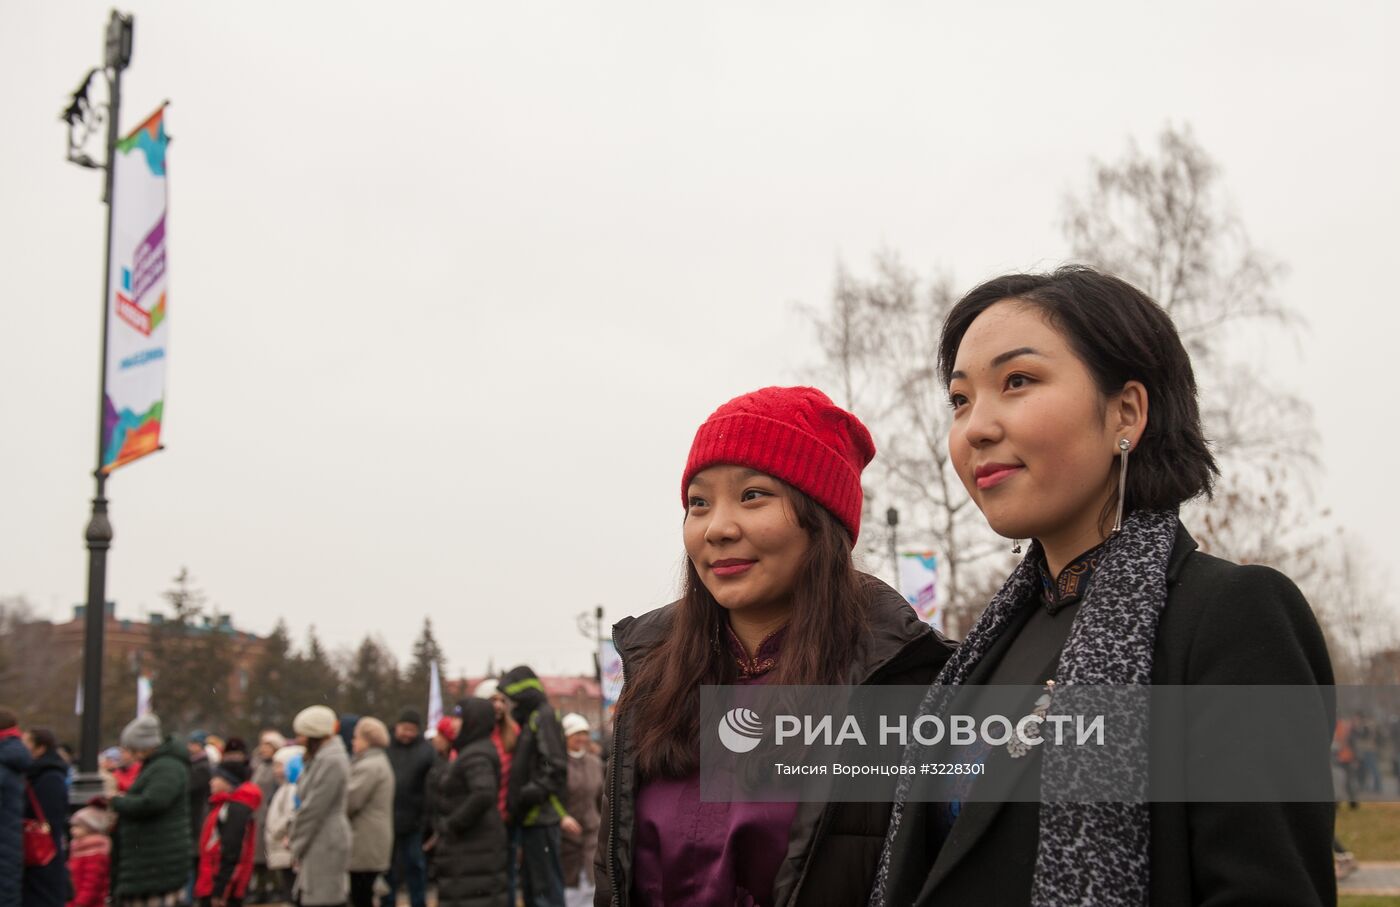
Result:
<point x="370" y="806"/>
<point x="320" y="830"/>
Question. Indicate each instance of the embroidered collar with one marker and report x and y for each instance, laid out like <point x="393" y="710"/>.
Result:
<point x="765" y="657"/>
<point x="1073" y="581"/>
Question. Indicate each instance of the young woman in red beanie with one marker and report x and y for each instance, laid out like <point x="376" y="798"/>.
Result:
<point x="772" y="501"/>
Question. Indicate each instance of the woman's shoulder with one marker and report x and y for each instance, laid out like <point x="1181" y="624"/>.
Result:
<point x="1238" y="623"/>
<point x="638" y="634"/>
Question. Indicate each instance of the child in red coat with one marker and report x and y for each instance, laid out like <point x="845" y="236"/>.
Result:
<point x="90" y="856"/>
<point x="226" y="844"/>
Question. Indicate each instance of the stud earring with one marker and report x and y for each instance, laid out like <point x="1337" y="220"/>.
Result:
<point x="1123" y="446"/>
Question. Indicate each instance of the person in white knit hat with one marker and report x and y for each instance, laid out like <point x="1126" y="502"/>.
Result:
<point x="321" y="830"/>
<point x="584" y="802"/>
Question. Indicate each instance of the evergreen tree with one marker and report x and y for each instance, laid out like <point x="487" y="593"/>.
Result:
<point x="372" y="682"/>
<point x="191" y="661"/>
<point x="426" y="651"/>
<point x="315" y="679"/>
<point x="272" y="701"/>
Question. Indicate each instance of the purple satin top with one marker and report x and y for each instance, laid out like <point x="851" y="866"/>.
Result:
<point x="688" y="853"/>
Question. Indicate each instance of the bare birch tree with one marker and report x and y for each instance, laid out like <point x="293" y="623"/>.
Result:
<point x="1161" y="222"/>
<point x="879" y="340"/>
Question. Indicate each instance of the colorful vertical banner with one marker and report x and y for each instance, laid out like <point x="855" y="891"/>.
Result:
<point x="434" y="701"/>
<point x="918" y="583"/>
<point x="143" y="696"/>
<point x="611" y="664"/>
<point x="137" y="330"/>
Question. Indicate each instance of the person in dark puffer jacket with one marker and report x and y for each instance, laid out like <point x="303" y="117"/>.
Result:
<point x="14" y="759"/>
<point x="539" y="778"/>
<point x="471" y="838"/>
<point x="153" y="853"/>
<point x="48" y="885"/>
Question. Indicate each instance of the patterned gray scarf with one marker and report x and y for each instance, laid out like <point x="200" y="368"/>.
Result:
<point x="1088" y="853"/>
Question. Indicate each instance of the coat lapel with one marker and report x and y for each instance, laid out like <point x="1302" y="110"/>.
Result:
<point x="977" y="816"/>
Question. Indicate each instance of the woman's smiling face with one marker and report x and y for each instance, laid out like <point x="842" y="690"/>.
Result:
<point x="742" y="536"/>
<point x="1032" y="438"/>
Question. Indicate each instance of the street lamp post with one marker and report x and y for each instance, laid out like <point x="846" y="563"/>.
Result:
<point x="892" y="520"/>
<point x="591" y="626"/>
<point x="84" y="119"/>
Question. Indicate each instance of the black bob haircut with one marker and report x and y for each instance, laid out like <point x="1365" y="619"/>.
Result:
<point x="1121" y="335"/>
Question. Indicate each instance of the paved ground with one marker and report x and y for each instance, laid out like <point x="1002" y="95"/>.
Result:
<point x="1372" y="878"/>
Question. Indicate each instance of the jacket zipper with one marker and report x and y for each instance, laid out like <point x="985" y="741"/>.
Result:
<point x="820" y="831"/>
<point x="614" y="861"/>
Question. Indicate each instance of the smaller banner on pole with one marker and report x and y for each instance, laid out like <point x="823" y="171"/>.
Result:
<point x="918" y="583"/>
<point x="143" y="696"/>
<point x="611" y="665"/>
<point x="434" y="701"/>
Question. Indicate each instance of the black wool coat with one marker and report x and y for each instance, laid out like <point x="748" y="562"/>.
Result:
<point x="1224" y="624"/>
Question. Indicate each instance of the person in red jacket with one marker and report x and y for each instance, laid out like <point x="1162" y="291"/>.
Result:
<point x="227" y="841"/>
<point x="90" y="856"/>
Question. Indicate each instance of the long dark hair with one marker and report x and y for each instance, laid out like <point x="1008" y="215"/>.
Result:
<point x="661" y="701"/>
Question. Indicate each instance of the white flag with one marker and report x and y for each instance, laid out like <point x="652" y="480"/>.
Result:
<point x="434" y="702"/>
<point x="143" y="696"/>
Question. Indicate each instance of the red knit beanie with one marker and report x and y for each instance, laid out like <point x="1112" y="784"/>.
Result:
<point x="795" y="434"/>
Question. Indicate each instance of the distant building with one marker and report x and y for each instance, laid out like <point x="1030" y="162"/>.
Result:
<point x="131" y="640"/>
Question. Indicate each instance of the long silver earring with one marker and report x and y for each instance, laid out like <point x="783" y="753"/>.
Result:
<point x="1015" y="546"/>
<point x="1123" y="445"/>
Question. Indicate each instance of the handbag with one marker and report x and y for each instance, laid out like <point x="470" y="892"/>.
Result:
<point x="39" y="848"/>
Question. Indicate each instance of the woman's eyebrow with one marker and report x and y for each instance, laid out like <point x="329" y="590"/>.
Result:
<point x="1004" y="358"/>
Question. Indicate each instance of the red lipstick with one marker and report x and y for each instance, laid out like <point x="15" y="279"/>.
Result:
<point x="989" y="475"/>
<point x="731" y="566"/>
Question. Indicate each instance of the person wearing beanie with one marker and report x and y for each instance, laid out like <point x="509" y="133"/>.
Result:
<point x="470" y="849"/>
<point x="264" y="884"/>
<point x="584" y="803"/>
<point x="411" y="757"/>
<point x="504" y="736"/>
<point x="370" y="806"/>
<point x="441" y="742"/>
<point x="90" y="856"/>
<point x="772" y="497"/>
<point x="321" y="830"/>
<point x="47" y="885"/>
<point x="277" y="830"/>
<point x="142" y="735"/>
<point x="228" y="838"/>
<point x="198" y="791"/>
<point x="152" y="845"/>
<point x="14" y="760"/>
<point x="539" y="777"/>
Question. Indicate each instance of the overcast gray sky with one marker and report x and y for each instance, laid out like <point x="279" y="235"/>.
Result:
<point x="453" y="284"/>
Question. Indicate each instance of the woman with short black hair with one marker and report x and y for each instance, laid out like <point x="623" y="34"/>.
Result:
<point x="1076" y="425"/>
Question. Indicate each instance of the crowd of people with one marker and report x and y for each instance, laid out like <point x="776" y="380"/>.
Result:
<point x="1050" y="379"/>
<point x="498" y="804"/>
